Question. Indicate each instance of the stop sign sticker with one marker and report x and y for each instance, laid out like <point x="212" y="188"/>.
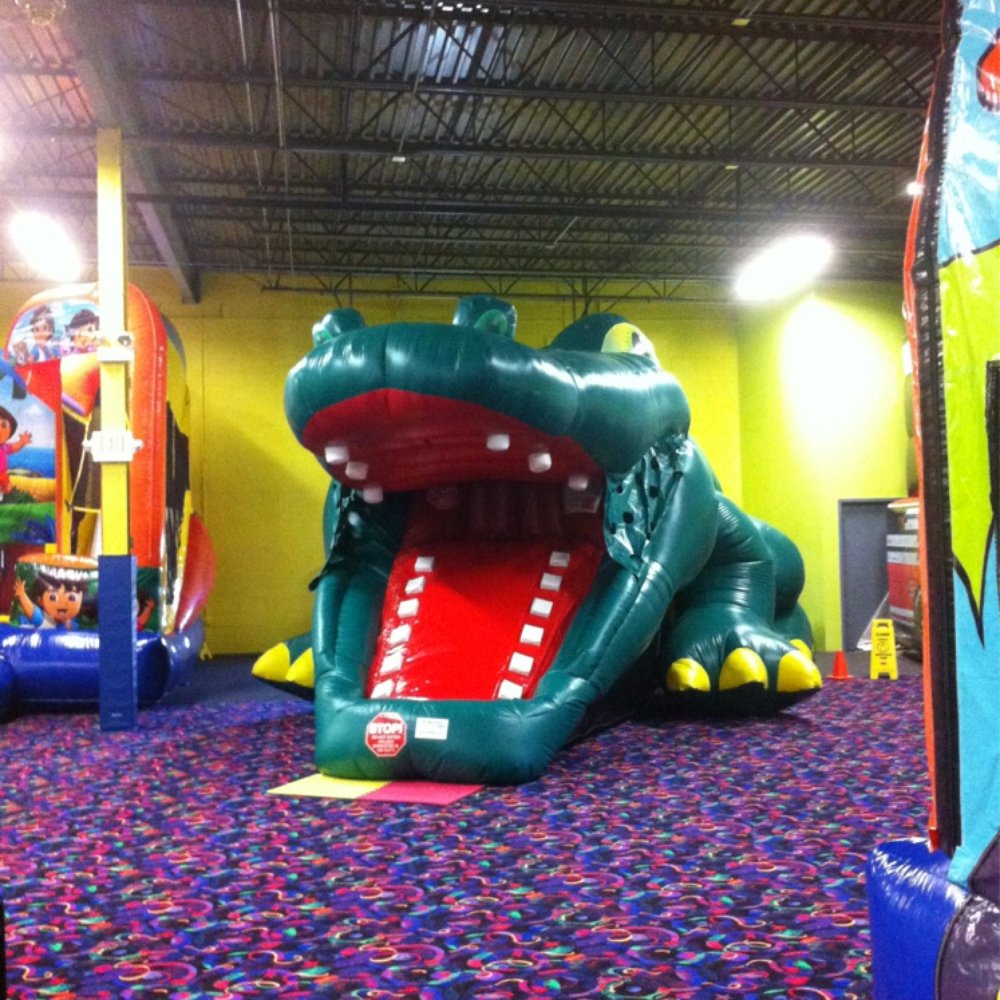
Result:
<point x="385" y="734"/>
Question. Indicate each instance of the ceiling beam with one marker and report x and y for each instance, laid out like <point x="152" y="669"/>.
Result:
<point x="10" y="69"/>
<point x="386" y="149"/>
<point x="862" y="220"/>
<point x="524" y="92"/>
<point x="632" y="15"/>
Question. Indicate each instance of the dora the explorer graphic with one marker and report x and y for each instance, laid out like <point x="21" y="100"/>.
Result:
<point x="8" y="427"/>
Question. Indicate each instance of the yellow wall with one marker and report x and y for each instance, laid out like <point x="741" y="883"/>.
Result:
<point x="822" y="419"/>
<point x="784" y="443"/>
<point x="697" y="343"/>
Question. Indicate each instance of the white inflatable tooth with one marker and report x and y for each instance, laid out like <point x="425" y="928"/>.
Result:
<point x="498" y="442"/>
<point x="356" y="470"/>
<point x="401" y="633"/>
<point x="540" y="461"/>
<point x="336" y="454"/>
<point x="532" y="635"/>
<point x="510" y="690"/>
<point x="521" y="663"/>
<point x="372" y="494"/>
<point x="578" y="482"/>
<point x="392" y="662"/>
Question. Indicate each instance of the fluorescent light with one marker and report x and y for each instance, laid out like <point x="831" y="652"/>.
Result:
<point x="783" y="268"/>
<point x="45" y="246"/>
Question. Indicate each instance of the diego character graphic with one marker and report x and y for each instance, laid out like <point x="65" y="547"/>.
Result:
<point x="59" y="601"/>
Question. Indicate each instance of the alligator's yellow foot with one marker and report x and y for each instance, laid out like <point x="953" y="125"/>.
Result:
<point x="687" y="675"/>
<point x="742" y="666"/>
<point x="802" y="647"/>
<point x="303" y="671"/>
<point x="797" y="672"/>
<point x="273" y="664"/>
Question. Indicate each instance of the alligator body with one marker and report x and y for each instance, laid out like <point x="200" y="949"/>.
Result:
<point x="521" y="544"/>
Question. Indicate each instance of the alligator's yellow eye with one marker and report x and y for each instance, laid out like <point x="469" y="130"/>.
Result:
<point x="624" y="338"/>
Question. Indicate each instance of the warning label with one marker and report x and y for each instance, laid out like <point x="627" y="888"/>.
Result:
<point x="428" y="728"/>
<point x="385" y="735"/>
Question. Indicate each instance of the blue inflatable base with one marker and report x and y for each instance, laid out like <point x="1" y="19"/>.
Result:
<point x="49" y="670"/>
<point x="912" y="904"/>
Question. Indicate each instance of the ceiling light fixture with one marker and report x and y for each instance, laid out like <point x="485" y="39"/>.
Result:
<point x="45" y="246"/>
<point x="783" y="268"/>
<point x="742" y="20"/>
<point x="42" y="12"/>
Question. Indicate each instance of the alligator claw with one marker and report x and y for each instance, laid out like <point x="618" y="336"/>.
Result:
<point x="687" y="675"/>
<point x="742" y="666"/>
<point x="796" y="672"/>
<point x="302" y="670"/>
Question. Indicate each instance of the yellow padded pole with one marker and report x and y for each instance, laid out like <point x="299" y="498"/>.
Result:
<point x="111" y="264"/>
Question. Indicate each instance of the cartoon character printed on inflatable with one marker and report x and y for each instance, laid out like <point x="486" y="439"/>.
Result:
<point x="506" y="531"/>
<point x="56" y="599"/>
<point x="50" y="514"/>
<point x="8" y="428"/>
<point x="935" y="904"/>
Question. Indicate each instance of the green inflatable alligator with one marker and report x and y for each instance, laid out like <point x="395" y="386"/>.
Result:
<point x="522" y="544"/>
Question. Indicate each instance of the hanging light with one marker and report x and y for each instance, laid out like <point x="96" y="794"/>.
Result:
<point x="45" y="246"/>
<point x="783" y="267"/>
<point x="42" y="12"/>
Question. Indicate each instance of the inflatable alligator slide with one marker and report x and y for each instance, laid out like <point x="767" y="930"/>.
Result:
<point x="521" y="544"/>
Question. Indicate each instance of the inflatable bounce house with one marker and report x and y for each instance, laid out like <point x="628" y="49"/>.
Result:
<point x="935" y="907"/>
<point x="50" y="505"/>
<point x="521" y="545"/>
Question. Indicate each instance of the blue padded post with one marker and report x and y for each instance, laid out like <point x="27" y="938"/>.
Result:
<point x="118" y="695"/>
<point x="911" y="903"/>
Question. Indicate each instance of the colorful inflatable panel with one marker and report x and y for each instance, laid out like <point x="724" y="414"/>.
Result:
<point x="936" y="908"/>
<point x="506" y="530"/>
<point x="50" y="504"/>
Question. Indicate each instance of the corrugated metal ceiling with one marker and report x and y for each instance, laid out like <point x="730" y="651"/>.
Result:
<point x="639" y="149"/>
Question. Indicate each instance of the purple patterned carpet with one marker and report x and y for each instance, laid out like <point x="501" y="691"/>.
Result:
<point x="685" y="859"/>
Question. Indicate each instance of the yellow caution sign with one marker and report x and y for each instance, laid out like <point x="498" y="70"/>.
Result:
<point x="883" y="661"/>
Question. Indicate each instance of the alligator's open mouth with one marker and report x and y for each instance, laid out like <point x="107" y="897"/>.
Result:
<point x="502" y="540"/>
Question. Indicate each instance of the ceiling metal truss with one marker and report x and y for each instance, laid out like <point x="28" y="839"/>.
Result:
<point x="333" y="144"/>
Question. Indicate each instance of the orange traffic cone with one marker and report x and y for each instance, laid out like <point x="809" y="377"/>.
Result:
<point x="840" y="668"/>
